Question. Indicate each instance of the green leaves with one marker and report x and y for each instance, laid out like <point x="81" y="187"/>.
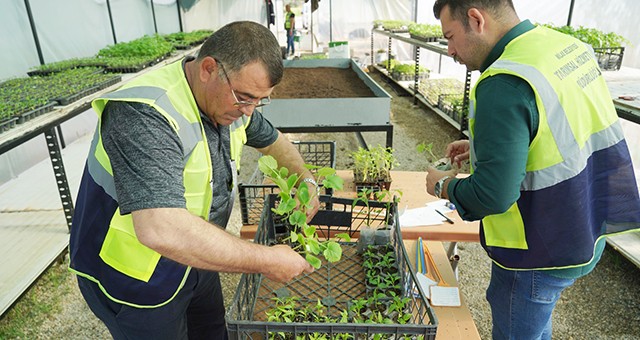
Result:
<point x="295" y="200"/>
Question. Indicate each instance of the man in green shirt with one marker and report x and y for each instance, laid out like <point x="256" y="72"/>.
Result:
<point x="550" y="169"/>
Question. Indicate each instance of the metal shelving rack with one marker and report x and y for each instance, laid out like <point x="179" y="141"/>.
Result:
<point x="417" y="97"/>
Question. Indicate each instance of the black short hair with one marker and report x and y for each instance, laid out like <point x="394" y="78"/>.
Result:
<point x="460" y="8"/>
<point x="243" y="42"/>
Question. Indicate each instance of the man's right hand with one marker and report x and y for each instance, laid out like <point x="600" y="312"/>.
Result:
<point x="458" y="152"/>
<point x="287" y="265"/>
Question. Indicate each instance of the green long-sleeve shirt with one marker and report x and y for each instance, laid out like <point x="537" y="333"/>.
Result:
<point x="506" y="121"/>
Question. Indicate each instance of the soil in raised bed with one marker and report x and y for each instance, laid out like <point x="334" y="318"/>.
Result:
<point x="321" y="82"/>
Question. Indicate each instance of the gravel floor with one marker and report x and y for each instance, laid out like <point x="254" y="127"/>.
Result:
<point x="603" y="305"/>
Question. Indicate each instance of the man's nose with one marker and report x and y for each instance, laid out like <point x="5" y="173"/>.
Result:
<point x="247" y="110"/>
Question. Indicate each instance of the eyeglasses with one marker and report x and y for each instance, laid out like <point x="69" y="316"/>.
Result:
<point x="243" y="103"/>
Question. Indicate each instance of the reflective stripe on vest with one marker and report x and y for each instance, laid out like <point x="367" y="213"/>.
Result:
<point x="562" y="167"/>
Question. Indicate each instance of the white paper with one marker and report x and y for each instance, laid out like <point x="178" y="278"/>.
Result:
<point x="445" y="296"/>
<point x="441" y="205"/>
<point x="420" y="217"/>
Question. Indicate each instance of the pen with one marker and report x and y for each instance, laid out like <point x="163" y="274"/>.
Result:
<point x="443" y="215"/>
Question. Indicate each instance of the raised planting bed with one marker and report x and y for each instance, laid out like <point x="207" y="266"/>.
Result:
<point x="329" y="92"/>
<point x="335" y="294"/>
<point x="253" y="193"/>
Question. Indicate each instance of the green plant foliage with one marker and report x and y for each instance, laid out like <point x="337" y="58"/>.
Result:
<point x="390" y="63"/>
<point x="154" y="46"/>
<point x="426" y="30"/>
<point x="184" y="39"/>
<point x="374" y="164"/>
<point x="393" y="24"/>
<point x="295" y="200"/>
<point x="408" y="69"/>
<point x="591" y="36"/>
<point x="21" y="95"/>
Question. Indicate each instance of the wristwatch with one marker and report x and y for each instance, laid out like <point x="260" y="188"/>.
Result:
<point x="437" y="189"/>
<point x="313" y="181"/>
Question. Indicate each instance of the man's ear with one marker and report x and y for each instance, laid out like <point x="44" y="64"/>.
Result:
<point x="476" y="20"/>
<point x="207" y="69"/>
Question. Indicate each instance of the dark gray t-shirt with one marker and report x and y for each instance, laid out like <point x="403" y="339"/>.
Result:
<point x="146" y="158"/>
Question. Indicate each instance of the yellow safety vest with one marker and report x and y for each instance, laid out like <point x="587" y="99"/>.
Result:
<point x="564" y="206"/>
<point x="131" y="263"/>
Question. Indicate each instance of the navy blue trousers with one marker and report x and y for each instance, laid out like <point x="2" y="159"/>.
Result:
<point x="197" y="312"/>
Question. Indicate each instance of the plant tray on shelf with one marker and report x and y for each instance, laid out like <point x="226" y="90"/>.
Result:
<point x="7" y="123"/>
<point x="252" y="194"/>
<point x="27" y="116"/>
<point x="451" y="104"/>
<point x="334" y="285"/>
<point x="423" y="38"/>
<point x="422" y="76"/>
<point x="66" y="100"/>
<point x="609" y="58"/>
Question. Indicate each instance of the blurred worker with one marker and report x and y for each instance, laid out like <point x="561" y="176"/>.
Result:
<point x="551" y="173"/>
<point x="148" y="237"/>
<point x="290" y="26"/>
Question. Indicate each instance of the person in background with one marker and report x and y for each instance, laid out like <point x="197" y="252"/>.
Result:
<point x="148" y="236"/>
<point x="290" y="26"/>
<point x="551" y="174"/>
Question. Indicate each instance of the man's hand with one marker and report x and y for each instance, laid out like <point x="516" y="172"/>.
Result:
<point x="458" y="152"/>
<point x="288" y="264"/>
<point x="434" y="175"/>
<point x="314" y="191"/>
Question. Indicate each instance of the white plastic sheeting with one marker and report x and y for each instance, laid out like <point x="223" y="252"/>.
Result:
<point x="80" y="28"/>
<point x="74" y="28"/>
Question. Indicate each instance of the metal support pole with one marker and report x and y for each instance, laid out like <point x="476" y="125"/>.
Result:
<point x="34" y="32"/>
<point x="372" y="55"/>
<point x="464" y="120"/>
<point x="113" y="29"/>
<point x="61" y="137"/>
<point x="61" y="176"/>
<point x="454" y="258"/>
<point x="179" y="15"/>
<point x="153" y="13"/>
<point x="389" y="57"/>
<point x="570" y="12"/>
<point x="416" y="75"/>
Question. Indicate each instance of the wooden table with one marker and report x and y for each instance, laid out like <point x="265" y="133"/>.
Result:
<point x="453" y="322"/>
<point x="414" y="195"/>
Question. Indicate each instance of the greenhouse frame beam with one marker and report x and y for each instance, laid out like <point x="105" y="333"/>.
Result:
<point x="34" y="32"/>
<point x="570" y="12"/>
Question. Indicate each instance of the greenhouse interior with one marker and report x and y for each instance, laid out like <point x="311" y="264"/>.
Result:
<point x="385" y="166"/>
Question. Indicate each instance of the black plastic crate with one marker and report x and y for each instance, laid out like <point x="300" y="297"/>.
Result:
<point x="252" y="194"/>
<point x="609" y="58"/>
<point x="334" y="284"/>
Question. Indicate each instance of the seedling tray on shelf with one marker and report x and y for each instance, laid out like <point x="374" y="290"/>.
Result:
<point x="609" y="58"/>
<point x="252" y="194"/>
<point x="334" y="284"/>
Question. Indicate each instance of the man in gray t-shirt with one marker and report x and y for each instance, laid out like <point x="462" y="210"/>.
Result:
<point x="148" y="159"/>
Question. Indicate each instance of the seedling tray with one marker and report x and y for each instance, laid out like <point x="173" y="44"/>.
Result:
<point x="336" y="285"/>
<point x="609" y="58"/>
<point x="252" y="194"/>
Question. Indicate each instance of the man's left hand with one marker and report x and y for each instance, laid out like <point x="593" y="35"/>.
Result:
<point x="434" y="175"/>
